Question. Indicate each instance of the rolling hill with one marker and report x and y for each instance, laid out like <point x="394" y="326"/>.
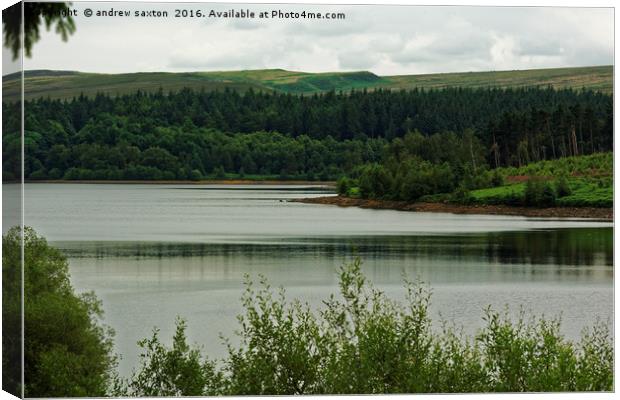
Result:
<point x="67" y="84"/>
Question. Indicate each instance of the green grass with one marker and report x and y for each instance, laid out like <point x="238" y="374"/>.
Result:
<point x="354" y="192"/>
<point x="598" y="78"/>
<point x="508" y="194"/>
<point x="67" y="84"/>
<point x="590" y="179"/>
<point x="587" y="193"/>
<point x="584" y="193"/>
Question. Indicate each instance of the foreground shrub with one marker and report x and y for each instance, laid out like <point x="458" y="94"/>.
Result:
<point x="364" y="342"/>
<point x="176" y="371"/>
<point x="67" y="352"/>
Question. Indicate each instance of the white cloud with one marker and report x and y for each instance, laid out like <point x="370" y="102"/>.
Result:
<point x="504" y="51"/>
<point x="384" y="39"/>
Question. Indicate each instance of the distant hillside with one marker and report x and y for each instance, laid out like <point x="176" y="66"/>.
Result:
<point x="67" y="84"/>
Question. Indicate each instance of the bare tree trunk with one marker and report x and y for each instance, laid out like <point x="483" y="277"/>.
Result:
<point x="552" y="141"/>
<point x="495" y="149"/>
<point x="471" y="151"/>
<point x="563" y="147"/>
<point x="574" y="137"/>
<point x="583" y="145"/>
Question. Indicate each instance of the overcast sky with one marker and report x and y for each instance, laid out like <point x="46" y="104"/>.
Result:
<point x="386" y="40"/>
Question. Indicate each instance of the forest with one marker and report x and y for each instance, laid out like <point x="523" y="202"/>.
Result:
<point x="193" y="135"/>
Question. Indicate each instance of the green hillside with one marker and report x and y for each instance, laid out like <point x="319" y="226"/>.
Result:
<point x="596" y="78"/>
<point x="67" y="84"/>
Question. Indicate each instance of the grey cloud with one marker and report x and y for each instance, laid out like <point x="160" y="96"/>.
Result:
<point x="540" y="47"/>
<point x="209" y="61"/>
<point x="356" y="22"/>
<point x="246" y="24"/>
<point x="387" y="43"/>
<point x="445" y="48"/>
<point x="360" y="60"/>
<point x="387" y="40"/>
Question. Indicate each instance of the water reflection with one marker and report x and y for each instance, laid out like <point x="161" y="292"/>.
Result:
<point x="575" y="247"/>
<point x="541" y="255"/>
<point x="152" y="252"/>
<point x="564" y="272"/>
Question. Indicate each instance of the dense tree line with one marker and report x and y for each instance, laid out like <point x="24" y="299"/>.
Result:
<point x="190" y="134"/>
<point x="112" y="148"/>
<point x="418" y="165"/>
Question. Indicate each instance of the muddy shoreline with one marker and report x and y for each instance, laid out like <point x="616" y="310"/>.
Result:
<point x="591" y="213"/>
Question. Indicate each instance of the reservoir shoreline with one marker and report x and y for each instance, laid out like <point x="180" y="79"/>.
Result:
<point x="187" y="182"/>
<point x="589" y="213"/>
<point x="586" y="213"/>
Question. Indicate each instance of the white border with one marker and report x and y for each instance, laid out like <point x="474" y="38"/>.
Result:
<point x="540" y="3"/>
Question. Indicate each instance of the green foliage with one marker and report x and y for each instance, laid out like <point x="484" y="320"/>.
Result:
<point x="344" y="186"/>
<point x="534" y="357"/>
<point x="461" y="195"/>
<point x="589" y="193"/>
<point x="497" y="179"/>
<point x="562" y="188"/>
<point x="122" y="155"/>
<point x="584" y="181"/>
<point x="176" y="371"/>
<point x="539" y="193"/>
<point x="219" y="172"/>
<point x="196" y="175"/>
<point x="423" y="178"/>
<point x="67" y="352"/>
<point x="589" y="165"/>
<point x="418" y="166"/>
<point x="365" y="343"/>
<point x="11" y="313"/>
<point x="278" y="353"/>
<point x="34" y="14"/>
<point x="510" y="195"/>
<point x="374" y="181"/>
<point x="354" y="192"/>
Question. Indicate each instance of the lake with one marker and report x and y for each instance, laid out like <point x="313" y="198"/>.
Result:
<point x="152" y="252"/>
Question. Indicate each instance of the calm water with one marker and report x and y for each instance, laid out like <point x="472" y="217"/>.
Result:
<point x="152" y="252"/>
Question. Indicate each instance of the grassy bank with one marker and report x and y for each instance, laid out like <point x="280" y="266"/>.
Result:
<point x="583" y="193"/>
<point x="583" y="181"/>
<point x="561" y="187"/>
